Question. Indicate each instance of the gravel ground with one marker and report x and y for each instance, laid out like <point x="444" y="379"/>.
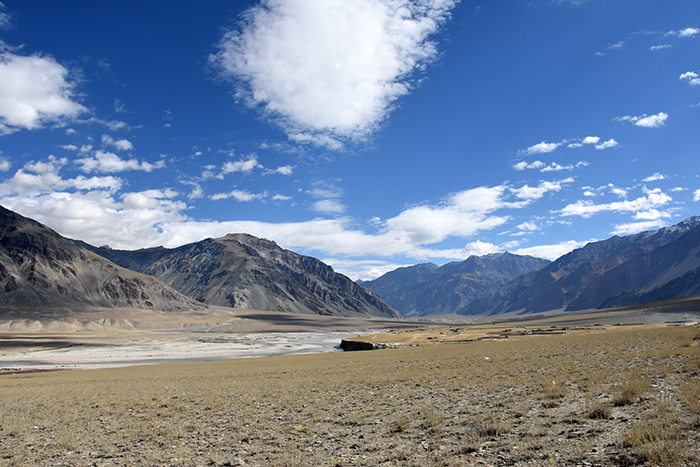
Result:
<point x="620" y="397"/>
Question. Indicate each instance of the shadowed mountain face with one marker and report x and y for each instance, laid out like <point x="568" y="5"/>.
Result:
<point x="242" y="271"/>
<point x="43" y="274"/>
<point x="617" y="271"/>
<point x="426" y="289"/>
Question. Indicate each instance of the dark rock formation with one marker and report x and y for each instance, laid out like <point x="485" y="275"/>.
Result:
<point x="350" y="345"/>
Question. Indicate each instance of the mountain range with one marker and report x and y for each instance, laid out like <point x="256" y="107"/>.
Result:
<point x="613" y="272"/>
<point x="44" y="276"/>
<point x="427" y="289"/>
<point x="243" y="271"/>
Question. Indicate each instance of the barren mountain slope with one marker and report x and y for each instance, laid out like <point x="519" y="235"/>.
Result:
<point x="44" y="275"/>
<point x="242" y="271"/>
<point x="588" y="276"/>
<point x="426" y="289"/>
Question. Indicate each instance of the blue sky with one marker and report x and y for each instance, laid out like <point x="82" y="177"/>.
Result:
<point x="370" y="134"/>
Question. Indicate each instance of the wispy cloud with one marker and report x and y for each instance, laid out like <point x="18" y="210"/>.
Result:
<point x="329" y="72"/>
<point x="239" y="195"/>
<point x="688" y="32"/>
<point x="108" y="162"/>
<point x="691" y="78"/>
<point x="636" y="227"/>
<point x="242" y="165"/>
<point x="121" y="145"/>
<point x="550" y="252"/>
<point x="646" y="121"/>
<point x="652" y="199"/>
<point x="655" y="177"/>
<point x="611" y="143"/>
<point x="282" y="170"/>
<point x="539" y="148"/>
<point x="329" y="206"/>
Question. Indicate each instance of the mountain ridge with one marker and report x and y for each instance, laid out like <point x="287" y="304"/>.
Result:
<point x="586" y="277"/>
<point x="427" y="289"/>
<point x="43" y="273"/>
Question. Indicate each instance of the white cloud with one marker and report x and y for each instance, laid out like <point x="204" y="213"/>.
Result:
<point x="696" y="195"/>
<point x="239" y="195"/>
<point x="688" y="32"/>
<point x="539" y="148"/>
<point x="660" y="47"/>
<point x="329" y="206"/>
<point x="243" y="165"/>
<point x="530" y="194"/>
<point x="366" y="269"/>
<point x="121" y="145"/>
<point x="281" y="198"/>
<point x="477" y="248"/>
<point x="646" y="121"/>
<point x="36" y="178"/>
<point x="591" y="140"/>
<point x="653" y="199"/>
<point x="109" y="162"/>
<point x="550" y="252"/>
<point x="528" y="226"/>
<point x="34" y="90"/>
<point x="655" y="177"/>
<point x="149" y="199"/>
<point x="636" y="227"/>
<point x="330" y="71"/>
<point x="5" y="165"/>
<point x="691" y="77"/>
<point x="611" y="143"/>
<point x="554" y="167"/>
<point x="99" y="219"/>
<point x="621" y="192"/>
<point x="5" y="18"/>
<point x="282" y="170"/>
<point x="522" y="165"/>
<point x="651" y="214"/>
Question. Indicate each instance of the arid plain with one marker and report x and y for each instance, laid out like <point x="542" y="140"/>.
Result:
<point x="558" y="391"/>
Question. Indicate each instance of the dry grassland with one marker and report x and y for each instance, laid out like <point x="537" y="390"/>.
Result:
<point x="620" y="397"/>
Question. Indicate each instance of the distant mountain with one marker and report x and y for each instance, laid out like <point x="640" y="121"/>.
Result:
<point x="242" y="271"/>
<point x="44" y="275"/>
<point x="426" y="289"/>
<point x="590" y="276"/>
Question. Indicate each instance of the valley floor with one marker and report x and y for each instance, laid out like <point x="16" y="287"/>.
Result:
<point x="624" y="396"/>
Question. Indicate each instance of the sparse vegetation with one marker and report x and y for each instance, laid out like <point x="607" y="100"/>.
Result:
<point x="366" y="408"/>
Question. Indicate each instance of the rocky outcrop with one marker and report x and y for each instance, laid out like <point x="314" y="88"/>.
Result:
<point x="350" y="345"/>
<point x="46" y="275"/>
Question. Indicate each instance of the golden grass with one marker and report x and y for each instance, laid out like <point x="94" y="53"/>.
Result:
<point x="485" y="402"/>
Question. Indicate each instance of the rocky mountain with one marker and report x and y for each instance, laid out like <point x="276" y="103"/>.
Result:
<point x="242" y="271"/>
<point x="426" y="289"/>
<point x="45" y="275"/>
<point x="591" y="276"/>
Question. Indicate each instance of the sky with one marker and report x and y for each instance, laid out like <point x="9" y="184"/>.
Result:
<point x="370" y="134"/>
